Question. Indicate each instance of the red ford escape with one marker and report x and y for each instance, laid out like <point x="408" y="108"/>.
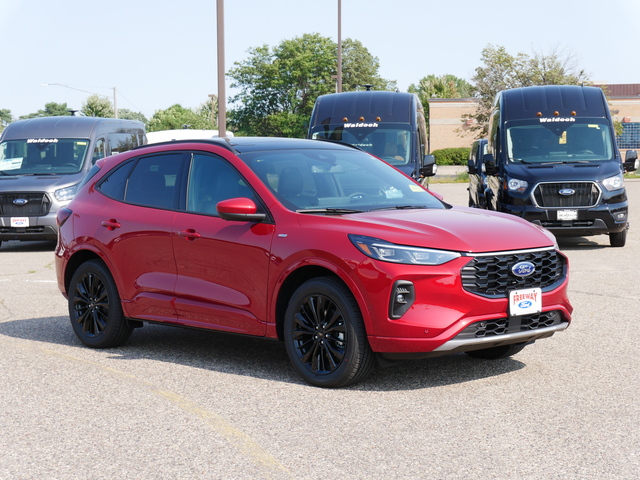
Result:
<point x="320" y="245"/>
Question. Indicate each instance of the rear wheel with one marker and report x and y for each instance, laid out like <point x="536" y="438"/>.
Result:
<point x="496" y="353"/>
<point x="618" y="239"/>
<point x="325" y="336"/>
<point x="95" y="309"/>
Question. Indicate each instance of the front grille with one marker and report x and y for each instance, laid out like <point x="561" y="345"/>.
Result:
<point x="585" y="194"/>
<point x="38" y="204"/>
<point x="16" y="230"/>
<point x="572" y="223"/>
<point x="491" y="275"/>
<point x="503" y="326"/>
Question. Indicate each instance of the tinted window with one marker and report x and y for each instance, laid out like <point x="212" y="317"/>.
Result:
<point x="98" y="150"/>
<point x="153" y="181"/>
<point x="115" y="184"/>
<point x="212" y="180"/>
<point x="121" y="142"/>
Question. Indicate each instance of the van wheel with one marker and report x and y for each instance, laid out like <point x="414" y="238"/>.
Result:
<point x="325" y="336"/>
<point x="496" y="353"/>
<point x="618" y="239"/>
<point x="95" y="309"/>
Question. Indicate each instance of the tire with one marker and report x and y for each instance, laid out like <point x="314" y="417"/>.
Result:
<point x="95" y="309"/>
<point x="496" y="353"/>
<point x="325" y="336"/>
<point x="618" y="239"/>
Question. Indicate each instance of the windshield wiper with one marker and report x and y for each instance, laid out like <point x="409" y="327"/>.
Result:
<point x="334" y="211"/>
<point x="401" y="207"/>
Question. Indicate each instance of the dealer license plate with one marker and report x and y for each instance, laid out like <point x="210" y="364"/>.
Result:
<point x="19" y="222"/>
<point x="567" y="215"/>
<point x="525" y="302"/>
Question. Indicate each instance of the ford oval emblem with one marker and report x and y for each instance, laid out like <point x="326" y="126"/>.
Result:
<point x="567" y="191"/>
<point x="20" y="201"/>
<point x="523" y="269"/>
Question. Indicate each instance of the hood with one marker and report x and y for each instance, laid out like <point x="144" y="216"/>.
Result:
<point x="564" y="172"/>
<point x="38" y="183"/>
<point x="459" y="229"/>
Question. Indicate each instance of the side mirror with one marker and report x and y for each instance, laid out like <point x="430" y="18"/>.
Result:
<point x="489" y="163"/>
<point x="430" y="168"/>
<point x="631" y="161"/>
<point x="471" y="167"/>
<point x="239" y="209"/>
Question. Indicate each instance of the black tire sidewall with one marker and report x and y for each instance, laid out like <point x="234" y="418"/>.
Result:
<point x="116" y="330"/>
<point x="357" y="359"/>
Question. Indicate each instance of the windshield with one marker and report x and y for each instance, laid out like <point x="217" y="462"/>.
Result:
<point x="336" y="181"/>
<point x="390" y="142"/>
<point x="42" y="156"/>
<point x="551" y="141"/>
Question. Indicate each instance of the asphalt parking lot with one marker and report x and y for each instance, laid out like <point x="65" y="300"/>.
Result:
<point x="183" y="404"/>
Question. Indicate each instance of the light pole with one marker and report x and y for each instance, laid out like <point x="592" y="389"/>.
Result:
<point x="115" y="103"/>
<point x="222" y="99"/>
<point x="339" y="83"/>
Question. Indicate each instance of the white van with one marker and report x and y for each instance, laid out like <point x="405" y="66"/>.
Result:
<point x="42" y="162"/>
<point x="182" y="134"/>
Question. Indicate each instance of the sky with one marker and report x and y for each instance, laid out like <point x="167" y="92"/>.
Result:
<point x="161" y="53"/>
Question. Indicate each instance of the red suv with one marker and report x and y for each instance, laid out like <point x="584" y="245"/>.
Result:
<point x="317" y="244"/>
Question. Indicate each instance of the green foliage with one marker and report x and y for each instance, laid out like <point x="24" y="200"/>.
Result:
<point x="97" y="106"/>
<point x="451" y="156"/>
<point x="278" y="87"/>
<point x="51" y="109"/>
<point x="501" y="71"/>
<point x="444" y="86"/>
<point x="126" y="114"/>
<point x="177" y="117"/>
<point x="5" y="118"/>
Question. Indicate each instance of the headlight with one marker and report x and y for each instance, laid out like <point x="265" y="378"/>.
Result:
<point x="390" y="252"/>
<point x="613" y="183"/>
<point x="516" y="185"/>
<point x="66" y="194"/>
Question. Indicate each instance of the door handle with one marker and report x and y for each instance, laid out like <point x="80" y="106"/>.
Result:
<point x="111" y="224"/>
<point x="190" y="234"/>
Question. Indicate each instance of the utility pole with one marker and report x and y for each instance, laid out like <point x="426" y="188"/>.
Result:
<point x="339" y="83"/>
<point x="222" y="96"/>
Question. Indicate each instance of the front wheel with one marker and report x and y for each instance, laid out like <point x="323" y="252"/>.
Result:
<point x="95" y="309"/>
<point x="496" y="353"/>
<point x="618" y="239"/>
<point x="325" y="336"/>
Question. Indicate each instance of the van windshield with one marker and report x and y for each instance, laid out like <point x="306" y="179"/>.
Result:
<point x="559" y="140"/>
<point x="390" y="142"/>
<point x="42" y="156"/>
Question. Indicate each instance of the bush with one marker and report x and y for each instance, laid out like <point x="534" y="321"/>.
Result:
<point x="451" y="156"/>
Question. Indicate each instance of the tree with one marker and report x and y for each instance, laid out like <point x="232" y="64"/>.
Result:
<point x="126" y="114"/>
<point x="5" y="118"/>
<point x="97" y="106"/>
<point x="502" y="71"/>
<point x="177" y="117"/>
<point x="444" y="86"/>
<point x="51" y="109"/>
<point x="279" y="86"/>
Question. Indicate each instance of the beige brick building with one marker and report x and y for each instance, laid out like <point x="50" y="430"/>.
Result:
<point x="448" y="130"/>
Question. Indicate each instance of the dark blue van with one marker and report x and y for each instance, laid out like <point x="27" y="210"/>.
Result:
<point x="389" y="125"/>
<point x="552" y="159"/>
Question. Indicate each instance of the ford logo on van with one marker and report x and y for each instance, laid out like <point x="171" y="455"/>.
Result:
<point x="523" y="269"/>
<point x="566" y="191"/>
<point x="20" y="201"/>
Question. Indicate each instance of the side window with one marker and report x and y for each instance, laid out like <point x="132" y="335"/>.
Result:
<point x="154" y="182"/>
<point x="115" y="184"/>
<point x="121" y="142"/>
<point x="211" y="180"/>
<point x="98" y="150"/>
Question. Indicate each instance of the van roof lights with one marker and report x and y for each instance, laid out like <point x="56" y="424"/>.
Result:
<point x="556" y="113"/>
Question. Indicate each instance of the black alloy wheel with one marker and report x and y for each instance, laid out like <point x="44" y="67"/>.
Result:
<point x="325" y="335"/>
<point x="94" y="307"/>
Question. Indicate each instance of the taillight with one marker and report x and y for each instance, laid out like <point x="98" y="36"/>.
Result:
<point x="63" y="214"/>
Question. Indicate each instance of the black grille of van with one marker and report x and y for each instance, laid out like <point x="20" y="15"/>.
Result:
<point x="585" y="194"/>
<point x="503" y="326"/>
<point x="491" y="275"/>
<point x="37" y="204"/>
